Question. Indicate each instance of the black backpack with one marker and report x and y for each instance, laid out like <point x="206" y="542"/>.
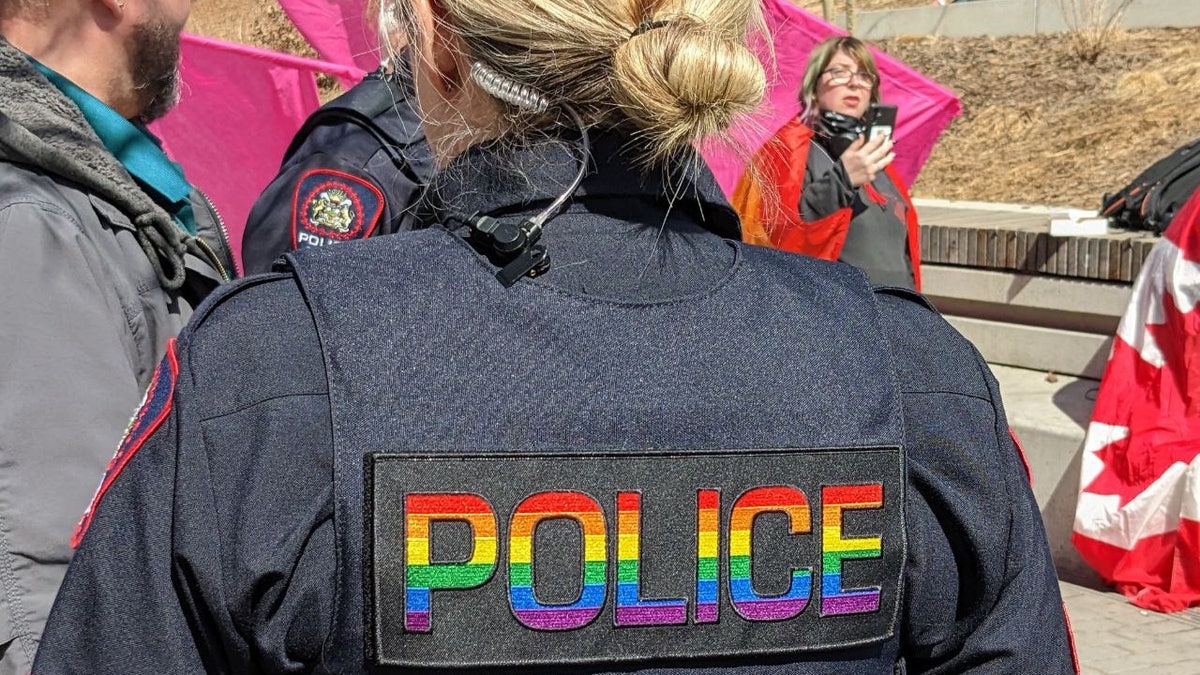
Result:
<point x="355" y="169"/>
<point x="1153" y="198"/>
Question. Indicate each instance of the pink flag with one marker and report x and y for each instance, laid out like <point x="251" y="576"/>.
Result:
<point x="926" y="108"/>
<point x="339" y="30"/>
<point x="1138" y="517"/>
<point x="239" y="109"/>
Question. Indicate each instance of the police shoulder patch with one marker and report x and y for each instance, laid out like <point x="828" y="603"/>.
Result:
<point x="549" y="560"/>
<point x="332" y="206"/>
<point x="150" y="414"/>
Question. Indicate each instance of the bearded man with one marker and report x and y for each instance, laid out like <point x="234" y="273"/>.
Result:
<point x="104" y="250"/>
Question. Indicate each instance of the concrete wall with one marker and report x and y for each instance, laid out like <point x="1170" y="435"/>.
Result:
<point x="1010" y="17"/>
<point x="1044" y="323"/>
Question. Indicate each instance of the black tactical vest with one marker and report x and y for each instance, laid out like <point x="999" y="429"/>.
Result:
<point x="528" y="477"/>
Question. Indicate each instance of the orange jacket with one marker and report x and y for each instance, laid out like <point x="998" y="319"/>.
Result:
<point x="773" y="218"/>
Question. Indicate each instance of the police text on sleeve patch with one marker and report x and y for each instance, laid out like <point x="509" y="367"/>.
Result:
<point x="332" y="206"/>
<point x="523" y="560"/>
<point x="149" y="416"/>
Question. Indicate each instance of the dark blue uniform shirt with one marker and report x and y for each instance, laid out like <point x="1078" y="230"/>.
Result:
<point x="364" y="154"/>
<point x="241" y="526"/>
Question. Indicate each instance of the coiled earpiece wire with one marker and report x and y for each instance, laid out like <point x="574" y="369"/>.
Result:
<point x="508" y="90"/>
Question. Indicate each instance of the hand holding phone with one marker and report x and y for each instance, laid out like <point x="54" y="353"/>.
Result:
<point x="881" y="120"/>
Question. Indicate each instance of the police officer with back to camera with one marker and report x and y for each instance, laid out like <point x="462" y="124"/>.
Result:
<point x="355" y="169"/>
<point x="595" y="433"/>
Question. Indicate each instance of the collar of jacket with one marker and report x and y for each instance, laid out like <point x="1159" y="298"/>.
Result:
<point x="41" y="127"/>
<point x="135" y="147"/>
<point x="528" y="177"/>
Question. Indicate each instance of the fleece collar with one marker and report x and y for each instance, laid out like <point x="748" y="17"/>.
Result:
<point x="135" y="147"/>
<point x="41" y="127"/>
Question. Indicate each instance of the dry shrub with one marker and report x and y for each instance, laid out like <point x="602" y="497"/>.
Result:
<point x="814" y="6"/>
<point x="1141" y="85"/>
<point x="1093" y="25"/>
<point x="914" y="39"/>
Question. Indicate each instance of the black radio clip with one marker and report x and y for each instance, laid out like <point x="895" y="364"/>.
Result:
<point x="513" y="246"/>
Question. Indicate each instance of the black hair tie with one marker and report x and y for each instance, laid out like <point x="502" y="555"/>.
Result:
<point x="647" y="26"/>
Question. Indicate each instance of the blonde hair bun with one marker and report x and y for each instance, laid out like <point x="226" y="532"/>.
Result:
<point x="679" y="81"/>
<point x="676" y="71"/>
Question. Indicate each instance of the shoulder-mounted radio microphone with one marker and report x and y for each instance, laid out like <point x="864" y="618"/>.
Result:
<point x="513" y="245"/>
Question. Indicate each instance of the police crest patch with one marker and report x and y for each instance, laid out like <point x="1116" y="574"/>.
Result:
<point x="332" y="206"/>
<point x="150" y="414"/>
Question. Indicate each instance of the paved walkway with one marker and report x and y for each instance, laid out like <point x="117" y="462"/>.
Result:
<point x="1112" y="636"/>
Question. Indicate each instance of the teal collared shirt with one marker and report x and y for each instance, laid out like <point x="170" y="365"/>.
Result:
<point x="136" y="148"/>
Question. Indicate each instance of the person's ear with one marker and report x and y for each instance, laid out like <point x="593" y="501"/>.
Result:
<point x="116" y="8"/>
<point x="446" y="53"/>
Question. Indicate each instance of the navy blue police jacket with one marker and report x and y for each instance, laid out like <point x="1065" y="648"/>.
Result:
<point x="355" y="169"/>
<point x="671" y="453"/>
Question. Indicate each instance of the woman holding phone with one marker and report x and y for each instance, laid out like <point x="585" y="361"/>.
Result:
<point x="824" y="185"/>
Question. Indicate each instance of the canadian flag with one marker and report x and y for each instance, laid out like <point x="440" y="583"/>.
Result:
<point x="1138" y="517"/>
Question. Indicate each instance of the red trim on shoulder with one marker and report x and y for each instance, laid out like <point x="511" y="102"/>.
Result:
<point x="1021" y="451"/>
<point x="1071" y="640"/>
<point x="153" y="410"/>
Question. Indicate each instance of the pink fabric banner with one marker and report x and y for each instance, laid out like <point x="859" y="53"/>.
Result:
<point x="341" y="33"/>
<point x="230" y="133"/>
<point x="339" y="30"/>
<point x="925" y="107"/>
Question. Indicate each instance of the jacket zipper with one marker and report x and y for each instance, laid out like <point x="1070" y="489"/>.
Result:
<point x="224" y="237"/>
<point x="213" y="258"/>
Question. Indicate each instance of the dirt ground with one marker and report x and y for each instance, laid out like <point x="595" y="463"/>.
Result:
<point x="254" y="22"/>
<point x="1039" y="125"/>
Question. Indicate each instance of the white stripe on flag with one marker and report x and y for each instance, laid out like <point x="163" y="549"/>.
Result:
<point x="1153" y="512"/>
<point x="1165" y="262"/>
<point x="1098" y="436"/>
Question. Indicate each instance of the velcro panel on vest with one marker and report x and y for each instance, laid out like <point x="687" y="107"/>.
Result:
<point x="555" y="559"/>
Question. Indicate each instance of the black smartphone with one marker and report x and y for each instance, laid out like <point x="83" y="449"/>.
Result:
<point x="881" y="120"/>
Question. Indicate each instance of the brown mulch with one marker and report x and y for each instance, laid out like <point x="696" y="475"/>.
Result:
<point x="1039" y="125"/>
<point x="816" y="6"/>
<point x="256" y="22"/>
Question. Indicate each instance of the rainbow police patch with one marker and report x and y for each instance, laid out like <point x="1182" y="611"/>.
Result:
<point x="151" y="412"/>
<point x="591" y="558"/>
<point x="331" y="206"/>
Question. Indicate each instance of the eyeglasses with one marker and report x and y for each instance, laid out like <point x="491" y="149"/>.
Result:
<point x="840" y="76"/>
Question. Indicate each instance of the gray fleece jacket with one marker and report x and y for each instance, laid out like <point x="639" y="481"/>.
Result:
<point x="94" y="279"/>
